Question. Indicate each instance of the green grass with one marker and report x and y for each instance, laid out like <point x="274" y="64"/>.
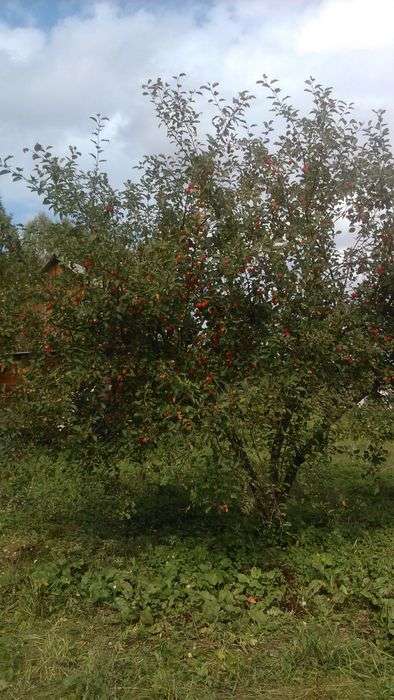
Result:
<point x="189" y="606"/>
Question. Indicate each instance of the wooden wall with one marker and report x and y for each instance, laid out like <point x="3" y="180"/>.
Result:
<point x="9" y="378"/>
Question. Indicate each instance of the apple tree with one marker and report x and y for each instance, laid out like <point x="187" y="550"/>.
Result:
<point x="219" y="316"/>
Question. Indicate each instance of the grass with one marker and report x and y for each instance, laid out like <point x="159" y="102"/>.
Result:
<point x="193" y="606"/>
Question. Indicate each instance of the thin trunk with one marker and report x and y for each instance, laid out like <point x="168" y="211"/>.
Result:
<point x="269" y="503"/>
<point x="266" y="502"/>
<point x="238" y="447"/>
<point x="277" y="446"/>
<point x="320" y="439"/>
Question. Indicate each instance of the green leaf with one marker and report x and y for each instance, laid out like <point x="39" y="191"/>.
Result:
<point x="258" y="613"/>
<point x="146" y="617"/>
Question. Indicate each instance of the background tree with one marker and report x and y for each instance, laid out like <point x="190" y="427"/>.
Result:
<point x="208" y="311"/>
<point x="11" y="266"/>
<point x="38" y="237"/>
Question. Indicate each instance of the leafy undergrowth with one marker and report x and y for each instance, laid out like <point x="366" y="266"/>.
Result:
<point x="196" y="606"/>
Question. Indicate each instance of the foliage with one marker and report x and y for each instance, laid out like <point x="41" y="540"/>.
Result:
<point x="216" y="588"/>
<point x="211" y="302"/>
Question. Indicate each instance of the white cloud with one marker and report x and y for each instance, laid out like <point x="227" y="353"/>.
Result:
<point x="96" y="61"/>
<point x="348" y="25"/>
<point x="20" y="44"/>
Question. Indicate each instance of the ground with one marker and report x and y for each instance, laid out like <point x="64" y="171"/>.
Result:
<point x="195" y="606"/>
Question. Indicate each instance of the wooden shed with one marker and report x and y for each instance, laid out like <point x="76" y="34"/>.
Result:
<point x="12" y="372"/>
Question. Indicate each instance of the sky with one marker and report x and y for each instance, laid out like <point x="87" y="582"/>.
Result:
<point x="64" y="60"/>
